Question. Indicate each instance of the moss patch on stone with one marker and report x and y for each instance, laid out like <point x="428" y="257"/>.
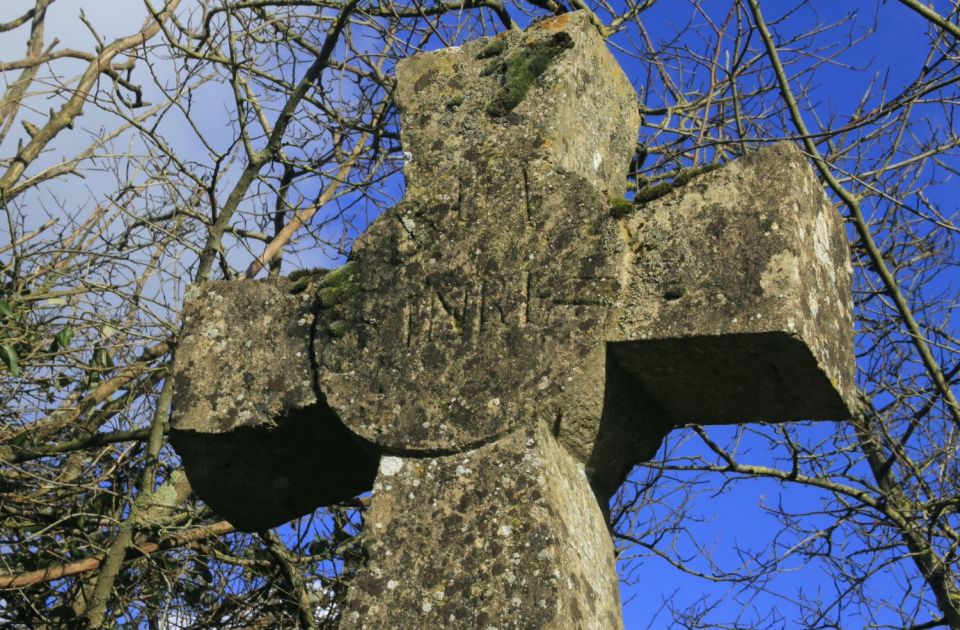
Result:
<point x="620" y="208"/>
<point x="338" y="285"/>
<point x="494" y="49"/>
<point x="338" y="328"/>
<point x="303" y="277"/>
<point x="681" y="178"/>
<point x="521" y="69"/>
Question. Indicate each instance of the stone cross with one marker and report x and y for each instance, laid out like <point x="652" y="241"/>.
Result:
<point x="503" y="346"/>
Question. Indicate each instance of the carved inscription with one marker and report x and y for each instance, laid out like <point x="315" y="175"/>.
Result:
<point x="505" y="279"/>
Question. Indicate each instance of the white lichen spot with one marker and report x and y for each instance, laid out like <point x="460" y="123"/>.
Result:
<point x="391" y="584"/>
<point x="597" y="160"/>
<point x="439" y="595"/>
<point x="463" y="471"/>
<point x="821" y="244"/>
<point x="505" y="530"/>
<point x="781" y="273"/>
<point x="813" y="304"/>
<point x="516" y="601"/>
<point x="354" y="617"/>
<point x="493" y="404"/>
<point x="426" y="606"/>
<point x="389" y="466"/>
<point x="211" y="332"/>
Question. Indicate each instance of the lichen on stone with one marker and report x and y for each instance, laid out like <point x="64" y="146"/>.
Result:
<point x="521" y="69"/>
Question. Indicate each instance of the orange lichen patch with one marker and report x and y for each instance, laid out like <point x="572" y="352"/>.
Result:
<point x="554" y="23"/>
<point x="546" y="143"/>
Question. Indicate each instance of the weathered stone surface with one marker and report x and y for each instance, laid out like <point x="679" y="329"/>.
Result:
<point x="579" y="115"/>
<point x="480" y="296"/>
<point x="464" y="329"/>
<point x="256" y="442"/>
<point x="739" y="291"/>
<point x="508" y="535"/>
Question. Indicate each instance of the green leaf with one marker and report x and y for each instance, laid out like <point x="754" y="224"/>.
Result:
<point x="5" y="309"/>
<point x="62" y="339"/>
<point x="101" y="358"/>
<point x="20" y="440"/>
<point x="10" y="359"/>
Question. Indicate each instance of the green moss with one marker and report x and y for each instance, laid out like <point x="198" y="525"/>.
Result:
<point x="305" y="273"/>
<point x="339" y="276"/>
<point x="620" y="208"/>
<point x="494" y="49"/>
<point x="338" y="328"/>
<point x="338" y="285"/>
<point x="683" y="177"/>
<point x="648" y="194"/>
<point x="454" y="103"/>
<point x="521" y="69"/>
<point x="680" y="178"/>
<point x="302" y="277"/>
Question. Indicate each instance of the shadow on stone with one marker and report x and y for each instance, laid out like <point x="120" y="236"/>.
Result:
<point x="753" y="377"/>
<point x="256" y="477"/>
<point x="631" y="429"/>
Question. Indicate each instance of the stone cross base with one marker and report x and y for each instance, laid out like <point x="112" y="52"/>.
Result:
<point x="511" y="537"/>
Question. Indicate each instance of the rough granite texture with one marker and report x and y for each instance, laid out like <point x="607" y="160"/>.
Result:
<point x="510" y="536"/>
<point x="509" y="339"/>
